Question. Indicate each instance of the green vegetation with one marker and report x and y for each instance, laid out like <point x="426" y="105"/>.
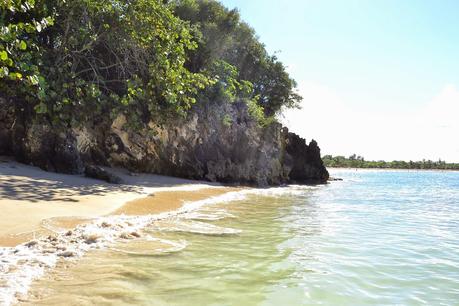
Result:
<point x="359" y="162"/>
<point x="21" y="22"/>
<point x="222" y="36"/>
<point x="68" y="62"/>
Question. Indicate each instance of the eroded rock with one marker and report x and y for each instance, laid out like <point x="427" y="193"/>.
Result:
<point x="102" y="174"/>
<point x="217" y="142"/>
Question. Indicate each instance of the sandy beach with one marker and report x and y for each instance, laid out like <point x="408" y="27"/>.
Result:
<point x="32" y="200"/>
<point x="49" y="216"/>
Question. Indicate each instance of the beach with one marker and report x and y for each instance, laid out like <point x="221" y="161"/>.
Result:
<point x="49" y="216"/>
<point x="29" y="197"/>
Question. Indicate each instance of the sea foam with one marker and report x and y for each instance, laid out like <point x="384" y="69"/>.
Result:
<point x="21" y="265"/>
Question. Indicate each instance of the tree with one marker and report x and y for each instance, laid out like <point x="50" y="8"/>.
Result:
<point x="70" y="62"/>
<point x="21" y="23"/>
<point x="111" y="56"/>
<point x="222" y="36"/>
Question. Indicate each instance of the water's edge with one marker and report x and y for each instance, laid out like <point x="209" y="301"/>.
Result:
<point x="20" y="266"/>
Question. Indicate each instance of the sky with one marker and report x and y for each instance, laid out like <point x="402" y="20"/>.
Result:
<point x="379" y="78"/>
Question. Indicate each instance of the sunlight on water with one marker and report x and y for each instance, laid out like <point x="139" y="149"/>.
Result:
<point x="377" y="238"/>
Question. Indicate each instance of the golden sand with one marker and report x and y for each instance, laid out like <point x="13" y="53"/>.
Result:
<point x="34" y="203"/>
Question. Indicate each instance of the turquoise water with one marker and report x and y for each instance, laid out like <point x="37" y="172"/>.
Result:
<point x="376" y="238"/>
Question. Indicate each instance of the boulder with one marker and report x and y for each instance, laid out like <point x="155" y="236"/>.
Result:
<point x="102" y="174"/>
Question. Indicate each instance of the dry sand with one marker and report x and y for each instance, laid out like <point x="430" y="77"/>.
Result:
<point x="32" y="200"/>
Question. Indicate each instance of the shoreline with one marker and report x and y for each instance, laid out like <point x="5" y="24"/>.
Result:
<point x="393" y="169"/>
<point x="49" y="218"/>
<point x="30" y="197"/>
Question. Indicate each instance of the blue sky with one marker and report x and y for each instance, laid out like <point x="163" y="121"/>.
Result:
<point x="375" y="72"/>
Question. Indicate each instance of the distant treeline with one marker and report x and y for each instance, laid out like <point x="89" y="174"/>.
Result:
<point x="355" y="161"/>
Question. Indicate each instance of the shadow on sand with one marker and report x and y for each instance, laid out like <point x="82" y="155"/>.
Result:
<point x="27" y="183"/>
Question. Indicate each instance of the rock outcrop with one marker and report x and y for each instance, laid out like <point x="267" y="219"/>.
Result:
<point x="217" y="142"/>
<point x="101" y="174"/>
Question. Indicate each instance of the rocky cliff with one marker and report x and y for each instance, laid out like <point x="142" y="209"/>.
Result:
<point x="217" y="142"/>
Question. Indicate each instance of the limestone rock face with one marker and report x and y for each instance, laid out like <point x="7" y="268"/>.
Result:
<point x="205" y="146"/>
<point x="217" y="142"/>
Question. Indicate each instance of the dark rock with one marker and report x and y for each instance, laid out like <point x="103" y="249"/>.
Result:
<point x="67" y="159"/>
<point x="7" y="122"/>
<point x="102" y="174"/>
<point x="67" y="254"/>
<point x="331" y="179"/>
<point x="201" y="146"/>
<point x="135" y="234"/>
<point x="52" y="238"/>
<point x="48" y="149"/>
<point x="90" y="239"/>
<point x="36" y="143"/>
<point x="305" y="161"/>
<point x="126" y="236"/>
<point x="31" y="243"/>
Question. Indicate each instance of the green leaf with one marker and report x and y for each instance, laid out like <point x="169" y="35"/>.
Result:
<point x="22" y="45"/>
<point x="3" y="55"/>
<point x="15" y="75"/>
<point x="41" y="94"/>
<point x="41" y="108"/>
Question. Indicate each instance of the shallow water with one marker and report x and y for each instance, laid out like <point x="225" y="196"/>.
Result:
<point x="376" y="238"/>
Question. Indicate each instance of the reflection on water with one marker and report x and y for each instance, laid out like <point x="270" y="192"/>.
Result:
<point x="386" y="238"/>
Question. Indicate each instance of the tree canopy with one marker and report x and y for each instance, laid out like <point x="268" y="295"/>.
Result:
<point x="222" y="36"/>
<point x="70" y="61"/>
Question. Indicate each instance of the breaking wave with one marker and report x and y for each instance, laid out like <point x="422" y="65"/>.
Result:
<point x="21" y="265"/>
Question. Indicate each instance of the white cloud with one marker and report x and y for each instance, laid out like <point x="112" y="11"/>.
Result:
<point x="430" y="131"/>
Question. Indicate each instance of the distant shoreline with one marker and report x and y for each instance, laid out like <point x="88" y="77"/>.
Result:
<point x="356" y="161"/>
<point x="395" y="169"/>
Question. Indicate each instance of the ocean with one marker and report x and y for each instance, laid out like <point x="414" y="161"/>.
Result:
<point x="379" y="237"/>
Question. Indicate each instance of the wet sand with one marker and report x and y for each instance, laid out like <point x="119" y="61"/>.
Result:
<point x="169" y="200"/>
<point x="32" y="201"/>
